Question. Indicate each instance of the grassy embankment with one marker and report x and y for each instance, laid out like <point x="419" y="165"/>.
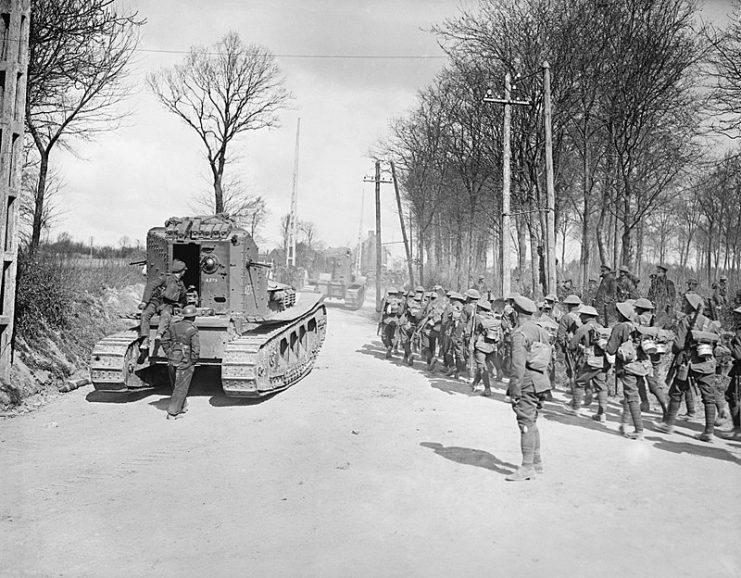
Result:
<point x="64" y="305"/>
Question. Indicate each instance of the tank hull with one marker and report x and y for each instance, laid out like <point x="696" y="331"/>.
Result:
<point x="258" y="356"/>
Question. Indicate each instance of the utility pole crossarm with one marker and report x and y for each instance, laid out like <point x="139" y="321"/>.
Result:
<point x="507" y="101"/>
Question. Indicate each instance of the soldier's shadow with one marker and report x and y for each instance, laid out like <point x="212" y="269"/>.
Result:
<point x="471" y="457"/>
<point x="680" y="447"/>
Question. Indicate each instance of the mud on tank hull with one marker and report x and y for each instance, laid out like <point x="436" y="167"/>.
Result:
<point x="271" y="356"/>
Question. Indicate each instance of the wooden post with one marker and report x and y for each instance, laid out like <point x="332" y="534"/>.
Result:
<point x="403" y="228"/>
<point x="550" y="245"/>
<point x="379" y="247"/>
<point x="14" y="67"/>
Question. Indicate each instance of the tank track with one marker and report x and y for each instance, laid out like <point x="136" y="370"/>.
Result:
<point x="113" y="362"/>
<point x="273" y="357"/>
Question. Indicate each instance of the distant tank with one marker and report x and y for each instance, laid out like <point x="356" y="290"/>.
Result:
<point x="265" y="336"/>
<point x="336" y="279"/>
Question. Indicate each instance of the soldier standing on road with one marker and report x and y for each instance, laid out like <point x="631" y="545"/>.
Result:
<point x="719" y="300"/>
<point x="161" y="295"/>
<point x="606" y="296"/>
<point x="692" y="364"/>
<point x="482" y="287"/>
<point x="590" y="293"/>
<point x="529" y="384"/>
<point x="626" y="285"/>
<point x="733" y="392"/>
<point x="183" y="348"/>
<point x="662" y="294"/>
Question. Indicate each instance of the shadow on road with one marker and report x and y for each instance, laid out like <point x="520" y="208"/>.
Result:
<point x="206" y="383"/>
<point x="708" y="451"/>
<point x="471" y="457"/>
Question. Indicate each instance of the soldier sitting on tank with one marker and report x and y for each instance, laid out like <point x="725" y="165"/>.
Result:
<point x="182" y="346"/>
<point x="161" y="295"/>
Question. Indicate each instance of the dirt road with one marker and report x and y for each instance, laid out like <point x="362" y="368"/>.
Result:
<point x="365" y="468"/>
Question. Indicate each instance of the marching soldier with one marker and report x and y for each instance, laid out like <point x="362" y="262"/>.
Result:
<point x="645" y="318"/>
<point x="487" y="336"/>
<point x="430" y="328"/>
<point x="390" y="313"/>
<point x="183" y="348"/>
<point x="694" y="361"/>
<point x="733" y="392"/>
<point x="622" y="345"/>
<point x="588" y="346"/>
<point x="408" y="325"/>
<point x="162" y="295"/>
<point x="662" y="294"/>
<point x="567" y="327"/>
<point x="456" y="328"/>
<point x="531" y="355"/>
<point x="606" y="296"/>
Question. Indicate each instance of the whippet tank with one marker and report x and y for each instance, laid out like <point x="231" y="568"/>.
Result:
<point x="265" y="336"/>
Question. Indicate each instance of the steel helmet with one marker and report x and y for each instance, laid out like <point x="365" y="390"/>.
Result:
<point x="189" y="311"/>
<point x="473" y="294"/>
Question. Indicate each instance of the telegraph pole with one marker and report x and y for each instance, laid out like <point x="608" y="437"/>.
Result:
<point x="292" y="225"/>
<point x="14" y="64"/>
<point x="379" y="248"/>
<point x="403" y="228"/>
<point x="550" y="216"/>
<point x="506" y="178"/>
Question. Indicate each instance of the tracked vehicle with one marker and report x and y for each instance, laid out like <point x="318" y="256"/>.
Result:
<point x="336" y="280"/>
<point x="265" y="336"/>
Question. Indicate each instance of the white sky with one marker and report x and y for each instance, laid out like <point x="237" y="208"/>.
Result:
<point x="133" y="179"/>
<point x="136" y="177"/>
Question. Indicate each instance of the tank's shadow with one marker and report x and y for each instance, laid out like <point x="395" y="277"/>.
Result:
<point x="206" y="383"/>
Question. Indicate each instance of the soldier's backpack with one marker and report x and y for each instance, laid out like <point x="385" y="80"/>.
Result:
<point x="627" y="350"/>
<point x="539" y="353"/>
<point x="489" y="339"/>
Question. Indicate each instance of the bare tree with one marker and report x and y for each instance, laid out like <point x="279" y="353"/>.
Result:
<point x="725" y="76"/>
<point x="249" y="211"/>
<point x="221" y="93"/>
<point x="78" y="55"/>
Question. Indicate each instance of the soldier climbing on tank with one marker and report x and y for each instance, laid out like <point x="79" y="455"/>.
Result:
<point x="161" y="296"/>
<point x="182" y="346"/>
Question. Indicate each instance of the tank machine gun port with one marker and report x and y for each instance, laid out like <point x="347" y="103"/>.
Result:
<point x="264" y="335"/>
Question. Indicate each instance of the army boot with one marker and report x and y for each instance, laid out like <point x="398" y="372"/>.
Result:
<point x="524" y="472"/>
<point x="733" y="435"/>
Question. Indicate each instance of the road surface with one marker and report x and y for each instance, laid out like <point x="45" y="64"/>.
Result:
<point x="366" y="468"/>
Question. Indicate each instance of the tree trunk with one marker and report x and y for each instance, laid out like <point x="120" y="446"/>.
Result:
<point x="39" y="198"/>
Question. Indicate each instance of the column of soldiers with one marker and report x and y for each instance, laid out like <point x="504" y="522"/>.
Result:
<point x="617" y="336"/>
